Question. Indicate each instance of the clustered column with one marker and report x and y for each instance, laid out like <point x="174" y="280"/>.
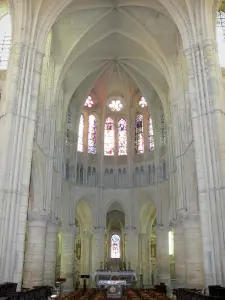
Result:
<point x="41" y="247"/>
<point x="35" y="252"/>
<point x="50" y="253"/>
<point x="162" y="255"/>
<point x="67" y="257"/>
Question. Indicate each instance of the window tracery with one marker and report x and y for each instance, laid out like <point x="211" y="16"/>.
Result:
<point x="109" y="137"/>
<point x="92" y="134"/>
<point x="220" y="32"/>
<point x="89" y="102"/>
<point x="139" y="134"/>
<point x="115" y="105"/>
<point x="115" y="246"/>
<point x="122" y="137"/>
<point x="5" y="41"/>
<point x="151" y="142"/>
<point x="142" y="102"/>
<point x="80" y="144"/>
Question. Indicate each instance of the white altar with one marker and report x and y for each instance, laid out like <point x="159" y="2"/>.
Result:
<point x="106" y="276"/>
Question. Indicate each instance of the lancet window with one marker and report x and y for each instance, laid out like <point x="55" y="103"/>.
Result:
<point x="92" y="134"/>
<point x="163" y="128"/>
<point x="109" y="137"/>
<point x="115" y="246"/>
<point x="5" y="41"/>
<point x="80" y="144"/>
<point x="151" y="143"/>
<point x="139" y="134"/>
<point x="122" y="137"/>
<point x="220" y="32"/>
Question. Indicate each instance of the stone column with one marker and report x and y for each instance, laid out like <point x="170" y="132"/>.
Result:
<point x="179" y="255"/>
<point x="98" y="248"/>
<point x="162" y="255"/>
<point x="208" y="121"/>
<point x="143" y="256"/>
<point x="67" y="256"/>
<point x="17" y="123"/>
<point x="193" y="251"/>
<point x="50" y="253"/>
<point x="132" y="248"/>
<point x="35" y="253"/>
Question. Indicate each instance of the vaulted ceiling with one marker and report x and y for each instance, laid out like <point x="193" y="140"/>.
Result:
<point x="138" y="35"/>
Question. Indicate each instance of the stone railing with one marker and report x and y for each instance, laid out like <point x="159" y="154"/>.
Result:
<point x="141" y="175"/>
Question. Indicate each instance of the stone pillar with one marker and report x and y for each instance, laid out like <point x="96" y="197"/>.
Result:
<point x="67" y="256"/>
<point x="193" y="251"/>
<point x="143" y="256"/>
<point x="162" y="255"/>
<point x="50" y="253"/>
<point x="208" y="121"/>
<point x="132" y="249"/>
<point x="35" y="253"/>
<point x="18" y="116"/>
<point x="179" y="255"/>
<point x="98" y="248"/>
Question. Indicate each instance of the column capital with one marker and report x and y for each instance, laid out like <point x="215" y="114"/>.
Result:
<point x="38" y="215"/>
<point x="99" y="230"/>
<point x="130" y="229"/>
<point x="189" y="219"/>
<point x="69" y="229"/>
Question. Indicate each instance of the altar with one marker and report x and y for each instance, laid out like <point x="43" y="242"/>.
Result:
<point x="125" y="278"/>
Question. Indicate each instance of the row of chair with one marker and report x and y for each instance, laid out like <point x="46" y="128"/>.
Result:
<point x="192" y="294"/>
<point x="147" y="294"/>
<point x="80" y="294"/>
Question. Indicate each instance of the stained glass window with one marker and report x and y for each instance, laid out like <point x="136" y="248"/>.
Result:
<point x="68" y="128"/>
<point x="139" y="134"/>
<point x="92" y="134"/>
<point x="163" y="128"/>
<point x="220" y="32"/>
<point x="143" y="102"/>
<point x="151" y="143"/>
<point x="115" y="246"/>
<point x="122" y="137"/>
<point x="116" y="105"/>
<point x="80" y="144"/>
<point x="109" y="143"/>
<point x="89" y="102"/>
<point x="5" y="41"/>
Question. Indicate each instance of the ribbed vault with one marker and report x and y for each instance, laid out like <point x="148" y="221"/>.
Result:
<point x="141" y="37"/>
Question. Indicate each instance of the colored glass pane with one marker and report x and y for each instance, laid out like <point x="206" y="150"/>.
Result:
<point x="150" y="134"/>
<point x="92" y="134"/>
<point x="80" y="144"/>
<point x="122" y="137"/>
<point x="109" y="133"/>
<point x="220" y="33"/>
<point x="89" y="102"/>
<point x="5" y="41"/>
<point x="115" y="246"/>
<point x="139" y="134"/>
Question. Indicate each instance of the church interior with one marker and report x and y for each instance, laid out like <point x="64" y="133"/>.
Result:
<point x="112" y="149"/>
